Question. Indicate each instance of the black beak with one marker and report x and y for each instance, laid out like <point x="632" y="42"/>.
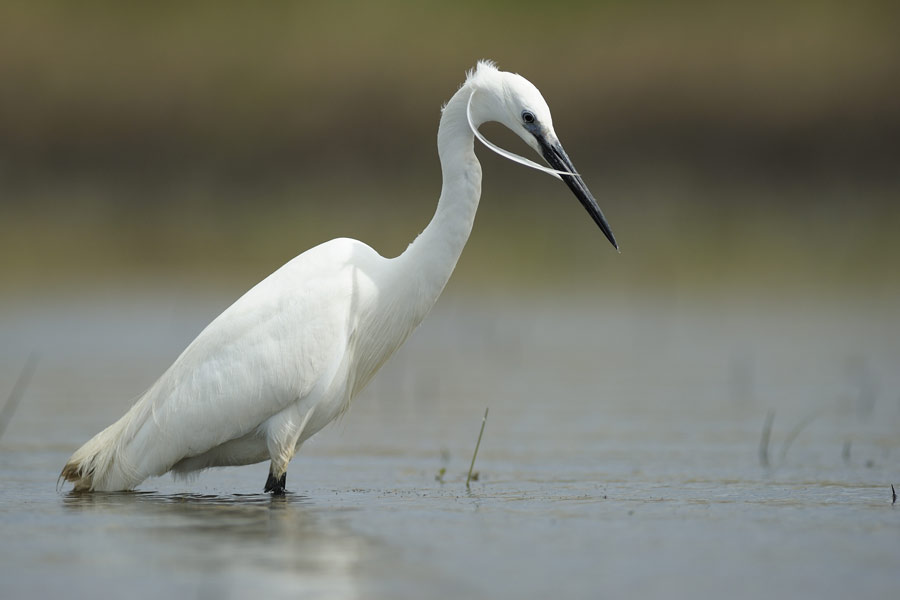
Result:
<point x="559" y="160"/>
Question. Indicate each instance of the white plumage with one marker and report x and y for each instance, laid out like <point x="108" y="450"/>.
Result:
<point x="289" y="356"/>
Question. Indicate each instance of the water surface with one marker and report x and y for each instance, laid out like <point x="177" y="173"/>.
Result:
<point x="620" y="459"/>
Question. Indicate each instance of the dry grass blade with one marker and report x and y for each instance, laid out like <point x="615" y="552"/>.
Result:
<point x="15" y="396"/>
<point x="764" y="439"/>
<point x="477" y="444"/>
<point x="786" y="445"/>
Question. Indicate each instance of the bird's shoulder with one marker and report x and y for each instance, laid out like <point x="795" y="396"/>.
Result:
<point x="322" y="275"/>
<point x="306" y="290"/>
<point x="330" y="257"/>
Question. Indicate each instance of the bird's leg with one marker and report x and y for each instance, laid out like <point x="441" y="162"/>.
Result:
<point x="275" y="484"/>
<point x="283" y="437"/>
<point x="278" y="474"/>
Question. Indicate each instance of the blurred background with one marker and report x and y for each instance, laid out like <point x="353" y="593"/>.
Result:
<point x="158" y="159"/>
<point x="733" y="146"/>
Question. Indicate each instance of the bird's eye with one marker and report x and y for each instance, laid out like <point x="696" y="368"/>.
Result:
<point x="528" y="116"/>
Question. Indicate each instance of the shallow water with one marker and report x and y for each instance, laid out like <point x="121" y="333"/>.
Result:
<point x="620" y="458"/>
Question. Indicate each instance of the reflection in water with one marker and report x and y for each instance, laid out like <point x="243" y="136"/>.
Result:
<point x="81" y="500"/>
<point x="227" y="542"/>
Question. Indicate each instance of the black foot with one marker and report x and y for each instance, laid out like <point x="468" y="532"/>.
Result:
<point x="276" y="486"/>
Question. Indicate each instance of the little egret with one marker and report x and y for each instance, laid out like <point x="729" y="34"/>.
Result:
<point x="288" y="357"/>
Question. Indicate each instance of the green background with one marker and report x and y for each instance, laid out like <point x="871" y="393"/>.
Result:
<point x="748" y="146"/>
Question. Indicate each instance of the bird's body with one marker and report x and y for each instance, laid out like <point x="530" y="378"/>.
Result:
<point x="288" y="357"/>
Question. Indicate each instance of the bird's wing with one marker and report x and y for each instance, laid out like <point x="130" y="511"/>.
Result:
<point x="281" y="341"/>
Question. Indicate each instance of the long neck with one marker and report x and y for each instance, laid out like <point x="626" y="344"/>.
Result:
<point x="431" y="258"/>
<point x="418" y="276"/>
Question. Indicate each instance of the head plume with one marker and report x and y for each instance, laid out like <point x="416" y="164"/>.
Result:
<point x="488" y="84"/>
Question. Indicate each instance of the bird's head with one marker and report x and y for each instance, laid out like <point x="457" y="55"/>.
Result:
<point x="516" y="103"/>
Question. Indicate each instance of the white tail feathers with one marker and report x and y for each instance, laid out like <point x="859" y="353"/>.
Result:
<point x="98" y="465"/>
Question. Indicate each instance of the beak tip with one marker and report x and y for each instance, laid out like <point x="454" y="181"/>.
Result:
<point x="612" y="239"/>
<point x="563" y="169"/>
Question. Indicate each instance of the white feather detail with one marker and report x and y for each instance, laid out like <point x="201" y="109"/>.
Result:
<point x="506" y="153"/>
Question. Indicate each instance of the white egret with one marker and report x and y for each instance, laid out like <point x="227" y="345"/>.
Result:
<point x="288" y="356"/>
